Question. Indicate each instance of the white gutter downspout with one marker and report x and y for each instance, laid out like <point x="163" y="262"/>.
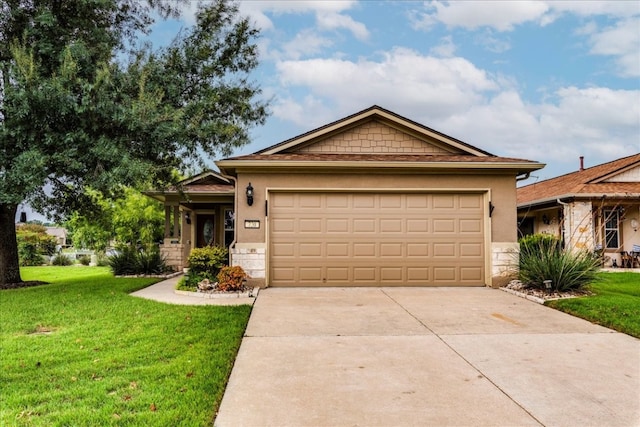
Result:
<point x="522" y="178"/>
<point x="567" y="212"/>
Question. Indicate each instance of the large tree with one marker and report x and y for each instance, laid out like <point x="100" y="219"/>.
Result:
<point x="84" y="105"/>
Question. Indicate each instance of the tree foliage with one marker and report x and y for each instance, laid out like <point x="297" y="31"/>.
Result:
<point x="85" y="106"/>
<point x="132" y="219"/>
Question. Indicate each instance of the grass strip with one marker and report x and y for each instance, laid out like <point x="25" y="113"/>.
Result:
<point x="615" y="303"/>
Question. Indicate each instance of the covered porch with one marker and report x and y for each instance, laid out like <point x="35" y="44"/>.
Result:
<point x="199" y="211"/>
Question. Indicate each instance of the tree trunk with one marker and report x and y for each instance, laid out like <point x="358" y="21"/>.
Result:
<point x="9" y="266"/>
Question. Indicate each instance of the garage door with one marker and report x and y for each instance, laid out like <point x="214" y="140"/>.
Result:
<point x="376" y="239"/>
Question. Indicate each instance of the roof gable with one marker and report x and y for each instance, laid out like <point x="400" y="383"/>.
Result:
<point x="205" y="178"/>
<point x="620" y="177"/>
<point x="374" y="131"/>
<point x="629" y="174"/>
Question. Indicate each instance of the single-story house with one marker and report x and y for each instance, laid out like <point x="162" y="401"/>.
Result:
<point x="373" y="199"/>
<point x="595" y="209"/>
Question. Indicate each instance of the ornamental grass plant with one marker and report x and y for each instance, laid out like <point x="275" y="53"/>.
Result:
<point x="543" y="258"/>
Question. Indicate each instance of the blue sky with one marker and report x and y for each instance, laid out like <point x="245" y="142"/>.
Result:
<point x="544" y="81"/>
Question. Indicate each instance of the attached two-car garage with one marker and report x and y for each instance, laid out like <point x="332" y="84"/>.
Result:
<point x="376" y="238"/>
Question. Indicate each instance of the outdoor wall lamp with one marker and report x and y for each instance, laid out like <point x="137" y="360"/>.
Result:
<point x="545" y="219"/>
<point x="187" y="217"/>
<point x="249" y="194"/>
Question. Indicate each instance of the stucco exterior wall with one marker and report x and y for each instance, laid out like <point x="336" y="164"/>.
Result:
<point x="250" y="252"/>
<point x="501" y="192"/>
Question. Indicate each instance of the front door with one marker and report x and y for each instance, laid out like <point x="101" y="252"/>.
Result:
<point x="205" y="230"/>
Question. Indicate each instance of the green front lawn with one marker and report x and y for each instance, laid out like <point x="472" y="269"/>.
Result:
<point x="81" y="351"/>
<point x="616" y="303"/>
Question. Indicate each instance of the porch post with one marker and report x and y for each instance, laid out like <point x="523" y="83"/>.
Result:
<point x="176" y="221"/>
<point x="167" y="223"/>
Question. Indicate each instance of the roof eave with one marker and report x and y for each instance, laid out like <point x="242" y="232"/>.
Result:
<point x="230" y="166"/>
<point x="604" y="196"/>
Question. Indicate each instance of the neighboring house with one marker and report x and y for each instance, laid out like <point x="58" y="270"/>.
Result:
<point x="374" y="199"/>
<point x="596" y="208"/>
<point x="60" y="234"/>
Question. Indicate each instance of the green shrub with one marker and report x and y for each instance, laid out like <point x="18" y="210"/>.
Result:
<point x="33" y="242"/>
<point x="103" y="260"/>
<point x="124" y="262"/>
<point x="131" y="261"/>
<point x="567" y="270"/>
<point x="150" y="262"/>
<point x="61" y="259"/>
<point x="85" y="260"/>
<point x="207" y="261"/>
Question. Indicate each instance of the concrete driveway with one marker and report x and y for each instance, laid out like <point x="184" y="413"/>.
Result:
<point x="427" y="357"/>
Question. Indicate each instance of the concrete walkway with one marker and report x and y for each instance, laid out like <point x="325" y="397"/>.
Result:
<point x="427" y="357"/>
<point x="165" y="292"/>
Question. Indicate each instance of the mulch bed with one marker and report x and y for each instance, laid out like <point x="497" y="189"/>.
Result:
<point x="26" y="284"/>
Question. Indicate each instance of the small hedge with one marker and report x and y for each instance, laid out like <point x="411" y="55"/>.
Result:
<point x="61" y="259"/>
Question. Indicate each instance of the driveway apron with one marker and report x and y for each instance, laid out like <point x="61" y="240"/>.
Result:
<point x="427" y="356"/>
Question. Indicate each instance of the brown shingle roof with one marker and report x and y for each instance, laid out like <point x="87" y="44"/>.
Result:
<point x="584" y="182"/>
<point x="323" y="157"/>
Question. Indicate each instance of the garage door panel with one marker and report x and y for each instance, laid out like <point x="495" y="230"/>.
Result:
<point x="473" y="250"/>
<point x="391" y="225"/>
<point x="364" y="275"/>
<point x="391" y="249"/>
<point x="310" y="225"/>
<point x="469" y="201"/>
<point x="444" y="274"/>
<point x="310" y="274"/>
<point x="364" y="225"/>
<point x="337" y="225"/>
<point x="283" y="249"/>
<point x="372" y="239"/>
<point x="443" y="201"/>
<point x="470" y="274"/>
<point x="337" y="249"/>
<point x="283" y="225"/>
<point x="391" y="274"/>
<point x="364" y="250"/>
<point x="447" y="226"/>
<point x="445" y="250"/>
<point x="419" y="250"/>
<point x="307" y="250"/>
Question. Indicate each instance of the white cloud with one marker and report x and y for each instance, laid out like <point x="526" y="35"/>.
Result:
<point x="329" y="14"/>
<point x="622" y="41"/>
<point x="453" y="96"/>
<point x="446" y="48"/>
<point x="438" y="86"/>
<point x="506" y="15"/>
<point x="501" y="15"/>
<point x="334" y="21"/>
<point x="304" y="44"/>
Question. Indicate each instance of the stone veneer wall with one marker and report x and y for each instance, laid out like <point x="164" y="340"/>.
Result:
<point x="252" y="261"/>
<point x="579" y="226"/>
<point x="172" y="254"/>
<point x="373" y="138"/>
<point x="504" y="262"/>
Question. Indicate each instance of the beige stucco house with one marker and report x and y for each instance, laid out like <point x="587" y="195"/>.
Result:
<point x="596" y="208"/>
<point x="373" y="199"/>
